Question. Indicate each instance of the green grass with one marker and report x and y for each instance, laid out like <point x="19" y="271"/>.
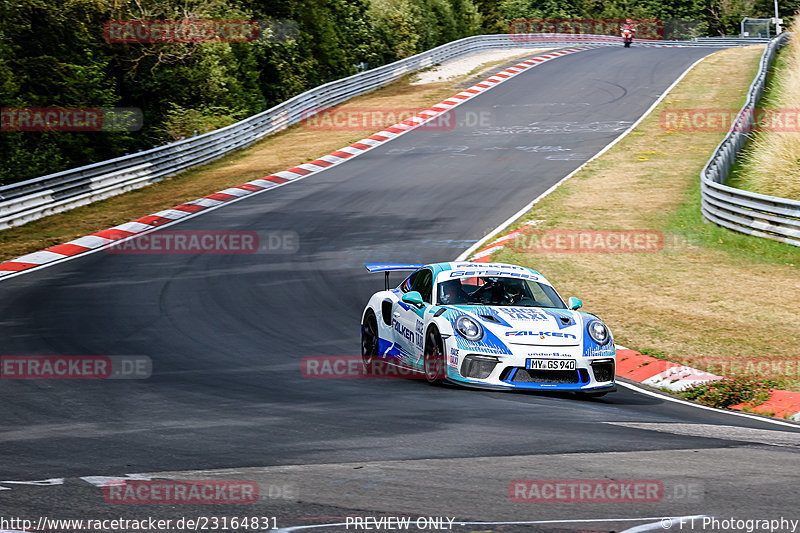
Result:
<point x="688" y="221"/>
<point x="658" y="354"/>
<point x="768" y="100"/>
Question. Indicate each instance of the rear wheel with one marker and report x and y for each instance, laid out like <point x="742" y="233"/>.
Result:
<point x="434" y="358"/>
<point x="369" y="341"/>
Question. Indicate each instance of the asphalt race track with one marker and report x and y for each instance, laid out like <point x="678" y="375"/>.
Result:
<point x="226" y="334"/>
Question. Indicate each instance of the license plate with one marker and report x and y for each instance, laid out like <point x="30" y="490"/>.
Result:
<point x="550" y="364"/>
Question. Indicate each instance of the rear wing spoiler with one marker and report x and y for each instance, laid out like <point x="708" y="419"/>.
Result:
<point x="390" y="267"/>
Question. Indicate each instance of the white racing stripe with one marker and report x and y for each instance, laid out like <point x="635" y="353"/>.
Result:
<point x="235" y="191"/>
<point x="666" y="397"/>
<point x="41" y="256"/>
<point x="772" y="437"/>
<point x="174" y="214"/>
<point x="205" y="202"/>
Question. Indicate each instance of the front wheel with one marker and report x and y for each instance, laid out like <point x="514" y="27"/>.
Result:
<point x="434" y="358"/>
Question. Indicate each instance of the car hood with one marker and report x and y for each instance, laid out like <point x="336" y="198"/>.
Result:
<point x="534" y="326"/>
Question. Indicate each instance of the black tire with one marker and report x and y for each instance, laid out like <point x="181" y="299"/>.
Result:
<point x="369" y="342"/>
<point x="434" y="358"/>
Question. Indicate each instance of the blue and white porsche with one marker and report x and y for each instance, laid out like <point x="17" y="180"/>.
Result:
<point x="486" y="325"/>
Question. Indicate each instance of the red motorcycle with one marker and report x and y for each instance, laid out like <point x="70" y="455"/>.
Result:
<point x="627" y="37"/>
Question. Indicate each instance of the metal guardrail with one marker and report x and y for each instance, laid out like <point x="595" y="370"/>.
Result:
<point x="747" y="212"/>
<point x="35" y="198"/>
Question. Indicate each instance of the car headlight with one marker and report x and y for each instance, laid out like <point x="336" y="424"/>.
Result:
<point x="469" y="329"/>
<point x="598" y="332"/>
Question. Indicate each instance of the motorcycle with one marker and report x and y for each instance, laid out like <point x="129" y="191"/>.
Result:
<point x="627" y="38"/>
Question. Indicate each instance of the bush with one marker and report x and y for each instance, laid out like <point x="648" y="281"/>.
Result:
<point x="730" y="391"/>
<point x="180" y="123"/>
<point x="53" y="54"/>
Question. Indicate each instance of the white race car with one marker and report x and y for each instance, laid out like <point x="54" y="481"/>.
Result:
<point x="489" y="325"/>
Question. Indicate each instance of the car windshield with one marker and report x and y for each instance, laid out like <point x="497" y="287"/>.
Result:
<point x="498" y="291"/>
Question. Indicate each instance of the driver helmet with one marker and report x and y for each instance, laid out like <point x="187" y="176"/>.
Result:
<point x="452" y="292"/>
<point x="514" y="288"/>
<point x="628" y="21"/>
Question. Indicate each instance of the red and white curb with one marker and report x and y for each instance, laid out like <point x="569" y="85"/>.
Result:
<point x="149" y="222"/>
<point x="674" y="377"/>
<point x="484" y="254"/>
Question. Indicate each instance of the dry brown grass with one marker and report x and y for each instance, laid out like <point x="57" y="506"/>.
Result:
<point x="771" y="164"/>
<point x="279" y="152"/>
<point x="698" y="306"/>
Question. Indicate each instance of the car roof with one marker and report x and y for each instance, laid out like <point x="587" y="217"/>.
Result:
<point x="483" y="268"/>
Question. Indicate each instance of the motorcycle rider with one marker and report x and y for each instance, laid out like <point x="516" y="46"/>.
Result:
<point x="629" y="28"/>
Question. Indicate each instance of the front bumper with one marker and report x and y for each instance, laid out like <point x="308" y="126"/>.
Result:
<point x="591" y="373"/>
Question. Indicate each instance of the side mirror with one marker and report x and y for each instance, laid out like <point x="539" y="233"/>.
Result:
<point x="414" y="298"/>
<point x="573" y="303"/>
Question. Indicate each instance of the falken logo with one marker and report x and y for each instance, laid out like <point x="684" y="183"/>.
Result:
<point x="403" y="331"/>
<point x="541" y="334"/>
